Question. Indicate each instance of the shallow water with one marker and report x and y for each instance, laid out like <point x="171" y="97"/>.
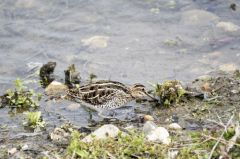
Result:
<point x="137" y="40"/>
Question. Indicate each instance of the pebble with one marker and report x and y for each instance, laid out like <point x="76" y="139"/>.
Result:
<point x="228" y="26"/>
<point x="56" y="88"/>
<point x="12" y="151"/>
<point x="103" y="132"/>
<point x="175" y="126"/>
<point x="148" y="118"/>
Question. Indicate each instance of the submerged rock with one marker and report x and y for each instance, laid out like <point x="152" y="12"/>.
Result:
<point x="102" y="133"/>
<point x="228" y="67"/>
<point x="228" y="26"/>
<point x="73" y="106"/>
<point x="198" y="17"/>
<point x="55" y="89"/>
<point x="96" y="41"/>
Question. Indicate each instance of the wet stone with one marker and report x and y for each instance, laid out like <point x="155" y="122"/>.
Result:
<point x="103" y="132"/>
<point x="56" y="88"/>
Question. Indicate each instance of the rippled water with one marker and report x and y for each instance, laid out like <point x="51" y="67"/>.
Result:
<point x="137" y="40"/>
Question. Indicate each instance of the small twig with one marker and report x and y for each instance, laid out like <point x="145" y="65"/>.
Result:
<point x="192" y="144"/>
<point x="110" y="155"/>
<point x="219" y="118"/>
<point x="73" y="155"/>
<point x="222" y="140"/>
<point x="219" y="139"/>
<point x="232" y="141"/>
<point x="215" y="122"/>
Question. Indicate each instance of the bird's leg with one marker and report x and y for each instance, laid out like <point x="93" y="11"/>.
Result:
<point x="90" y="115"/>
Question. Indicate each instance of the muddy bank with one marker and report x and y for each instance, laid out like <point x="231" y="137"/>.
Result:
<point x="221" y="100"/>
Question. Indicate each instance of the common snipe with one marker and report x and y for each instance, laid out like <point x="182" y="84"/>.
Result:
<point x="106" y="95"/>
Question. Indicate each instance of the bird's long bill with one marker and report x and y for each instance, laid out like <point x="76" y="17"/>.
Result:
<point x="151" y="98"/>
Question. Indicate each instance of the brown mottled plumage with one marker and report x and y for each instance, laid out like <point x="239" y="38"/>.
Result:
<point x="106" y="95"/>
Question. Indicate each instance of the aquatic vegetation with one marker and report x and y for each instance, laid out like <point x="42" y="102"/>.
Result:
<point x="72" y="76"/>
<point x="132" y="145"/>
<point x="46" y="73"/>
<point x="169" y="92"/>
<point x="34" y="120"/>
<point x="92" y="77"/>
<point x="21" y="97"/>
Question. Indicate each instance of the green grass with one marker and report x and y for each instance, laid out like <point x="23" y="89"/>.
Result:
<point x="34" y="119"/>
<point x="132" y="145"/>
<point x="21" y="97"/>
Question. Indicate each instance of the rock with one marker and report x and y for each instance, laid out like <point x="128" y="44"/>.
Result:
<point x="198" y="17"/>
<point x="12" y="151"/>
<point x="148" y="118"/>
<point x="159" y="134"/>
<point x="56" y="88"/>
<point x="156" y="134"/>
<point x="103" y="132"/>
<point x="175" y="126"/>
<point x="73" y="106"/>
<point x="60" y="136"/>
<point x="228" y="67"/>
<point x="148" y="127"/>
<point x="228" y="26"/>
<point x="96" y="41"/>
<point x="25" y="147"/>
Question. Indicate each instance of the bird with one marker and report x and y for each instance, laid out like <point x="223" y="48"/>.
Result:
<point x="107" y="95"/>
